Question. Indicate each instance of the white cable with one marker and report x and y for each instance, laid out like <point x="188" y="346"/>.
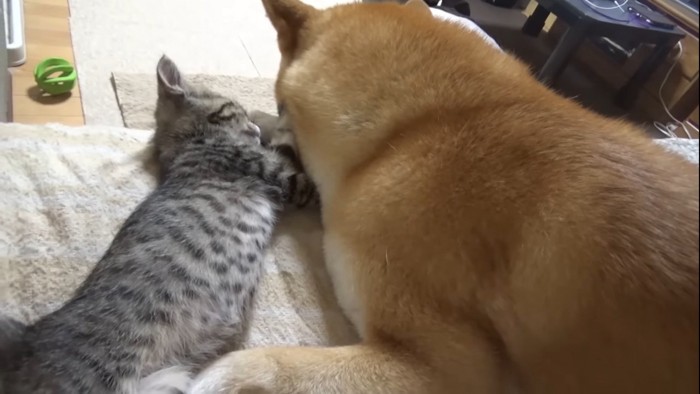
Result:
<point x="664" y="128"/>
<point x="596" y="8"/>
<point x="617" y="5"/>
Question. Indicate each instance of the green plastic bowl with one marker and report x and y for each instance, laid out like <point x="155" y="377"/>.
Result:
<point x="55" y="76"/>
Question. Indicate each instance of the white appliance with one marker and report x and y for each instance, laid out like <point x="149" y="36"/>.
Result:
<point x="13" y="13"/>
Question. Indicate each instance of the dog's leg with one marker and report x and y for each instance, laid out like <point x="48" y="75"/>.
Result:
<point x="350" y="369"/>
<point x="364" y="368"/>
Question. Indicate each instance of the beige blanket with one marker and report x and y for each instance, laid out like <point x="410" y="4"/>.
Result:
<point x="137" y="94"/>
<point x="65" y="192"/>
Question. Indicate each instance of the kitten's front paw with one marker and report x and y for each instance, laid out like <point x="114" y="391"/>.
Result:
<point x="245" y="371"/>
<point x="303" y="191"/>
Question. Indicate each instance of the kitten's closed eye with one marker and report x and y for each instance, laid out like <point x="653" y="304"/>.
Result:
<point x="226" y="113"/>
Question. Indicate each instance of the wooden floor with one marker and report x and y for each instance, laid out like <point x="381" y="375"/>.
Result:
<point x="47" y="30"/>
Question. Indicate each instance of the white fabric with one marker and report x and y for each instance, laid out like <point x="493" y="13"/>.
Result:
<point x="466" y="23"/>
<point x="66" y="191"/>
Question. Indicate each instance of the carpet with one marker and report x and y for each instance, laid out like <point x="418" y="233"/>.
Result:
<point x="216" y="37"/>
<point x="213" y="37"/>
<point x="137" y="94"/>
<point x="66" y="191"/>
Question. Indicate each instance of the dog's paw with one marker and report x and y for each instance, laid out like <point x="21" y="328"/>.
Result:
<point x="245" y="371"/>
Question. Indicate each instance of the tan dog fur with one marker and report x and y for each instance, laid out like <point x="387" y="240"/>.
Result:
<point x="482" y="232"/>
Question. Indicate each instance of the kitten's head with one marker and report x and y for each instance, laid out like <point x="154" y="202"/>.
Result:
<point x="184" y="112"/>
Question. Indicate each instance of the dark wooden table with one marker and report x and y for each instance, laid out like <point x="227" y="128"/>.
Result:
<point x="584" y="22"/>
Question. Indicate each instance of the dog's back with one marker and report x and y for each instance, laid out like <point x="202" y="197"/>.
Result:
<point x="478" y="226"/>
<point x="568" y="241"/>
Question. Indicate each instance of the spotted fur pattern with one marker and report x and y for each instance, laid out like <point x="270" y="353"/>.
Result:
<point x="177" y="282"/>
<point x="276" y="134"/>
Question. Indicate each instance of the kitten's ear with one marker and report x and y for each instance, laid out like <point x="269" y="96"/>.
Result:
<point x="419" y="5"/>
<point x="288" y="17"/>
<point x="170" y="83"/>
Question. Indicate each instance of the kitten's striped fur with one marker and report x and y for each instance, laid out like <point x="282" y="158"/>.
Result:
<point x="276" y="133"/>
<point x="174" y="288"/>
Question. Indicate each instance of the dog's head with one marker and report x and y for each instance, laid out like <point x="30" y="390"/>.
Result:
<point x="336" y="79"/>
<point x="298" y="24"/>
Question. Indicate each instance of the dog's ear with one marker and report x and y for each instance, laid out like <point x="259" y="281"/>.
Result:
<point x="420" y="5"/>
<point x="288" y="17"/>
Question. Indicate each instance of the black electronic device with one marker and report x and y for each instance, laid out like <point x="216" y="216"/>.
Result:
<point x="650" y="17"/>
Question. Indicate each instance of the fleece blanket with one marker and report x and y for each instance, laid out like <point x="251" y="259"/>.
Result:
<point x="65" y="193"/>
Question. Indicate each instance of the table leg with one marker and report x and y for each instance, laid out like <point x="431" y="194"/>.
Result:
<point x="627" y="95"/>
<point x="565" y="48"/>
<point x="686" y="104"/>
<point x="535" y="22"/>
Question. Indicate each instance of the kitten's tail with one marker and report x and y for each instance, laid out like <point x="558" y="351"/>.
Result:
<point x="11" y="339"/>
<point x="170" y="380"/>
<point x="11" y="346"/>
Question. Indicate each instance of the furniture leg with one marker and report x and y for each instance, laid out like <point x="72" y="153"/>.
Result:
<point x="535" y="22"/>
<point x="628" y="94"/>
<point x="565" y="48"/>
<point x="686" y="104"/>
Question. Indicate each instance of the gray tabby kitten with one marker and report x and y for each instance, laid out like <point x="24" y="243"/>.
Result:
<point x="177" y="282"/>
